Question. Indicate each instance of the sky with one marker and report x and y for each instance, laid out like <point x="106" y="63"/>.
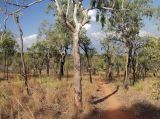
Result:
<point x="33" y="16"/>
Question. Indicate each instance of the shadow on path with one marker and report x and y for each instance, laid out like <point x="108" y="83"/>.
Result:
<point x="104" y="98"/>
<point x="140" y="110"/>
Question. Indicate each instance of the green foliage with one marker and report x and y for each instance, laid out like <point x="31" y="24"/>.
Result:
<point x="86" y="44"/>
<point x="129" y="21"/>
<point x="8" y="44"/>
<point x="8" y="48"/>
<point x="150" y="55"/>
<point x="50" y="83"/>
<point x="138" y="86"/>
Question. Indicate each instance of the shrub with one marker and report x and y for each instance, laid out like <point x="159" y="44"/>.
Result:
<point x="156" y="90"/>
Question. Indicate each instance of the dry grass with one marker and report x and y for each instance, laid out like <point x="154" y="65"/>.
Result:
<point x="53" y="99"/>
<point x="50" y="99"/>
<point x="139" y="98"/>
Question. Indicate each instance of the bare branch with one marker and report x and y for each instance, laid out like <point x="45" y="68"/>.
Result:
<point x="75" y="14"/>
<point x="15" y="4"/>
<point x="5" y="26"/>
<point x="63" y="16"/>
<point x="23" y="6"/>
<point x="69" y="25"/>
<point x="68" y="6"/>
<point x="58" y="7"/>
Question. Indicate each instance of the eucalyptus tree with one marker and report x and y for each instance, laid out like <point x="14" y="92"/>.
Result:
<point x="89" y="50"/>
<point x="43" y="33"/>
<point x="60" y="38"/>
<point x="157" y="16"/>
<point x="7" y="48"/>
<point x="151" y="58"/>
<point x="74" y="15"/>
<point x="57" y="37"/>
<point x="37" y="54"/>
<point x="109" y="54"/>
<point x="127" y="24"/>
<point x="14" y="9"/>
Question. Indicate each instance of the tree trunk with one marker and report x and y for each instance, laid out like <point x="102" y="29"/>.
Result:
<point x="109" y="67"/>
<point x="109" y="73"/>
<point x="118" y="71"/>
<point x="67" y="67"/>
<point x="24" y="70"/>
<point x="7" y="67"/>
<point x="134" y="68"/>
<point x="89" y="68"/>
<point x="48" y="66"/>
<point x="48" y="63"/>
<point x="40" y="71"/>
<point x="61" y="70"/>
<point x="126" y="71"/>
<point x="4" y="70"/>
<point x="61" y="67"/>
<point x="77" y="72"/>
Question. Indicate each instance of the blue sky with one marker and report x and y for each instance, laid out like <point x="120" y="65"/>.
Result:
<point x="32" y="17"/>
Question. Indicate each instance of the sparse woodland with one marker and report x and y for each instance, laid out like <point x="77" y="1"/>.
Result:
<point x="64" y="76"/>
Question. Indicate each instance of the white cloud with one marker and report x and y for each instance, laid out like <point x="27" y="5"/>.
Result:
<point x="145" y="33"/>
<point x="98" y="35"/>
<point x="28" y="41"/>
<point x="92" y="14"/>
<point x="87" y="26"/>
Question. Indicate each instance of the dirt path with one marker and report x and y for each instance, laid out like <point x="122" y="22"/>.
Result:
<point x="115" y="109"/>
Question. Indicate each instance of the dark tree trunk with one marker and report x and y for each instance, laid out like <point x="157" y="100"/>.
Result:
<point x="109" y="73"/>
<point x="48" y="67"/>
<point x="4" y="70"/>
<point x="40" y="71"/>
<point x="48" y="63"/>
<point x="61" y="70"/>
<point x="118" y="71"/>
<point x="126" y="71"/>
<point x="7" y="68"/>
<point x="89" y="67"/>
<point x="109" y="68"/>
<point x="67" y="67"/>
<point x="134" y="68"/>
<point x="62" y="62"/>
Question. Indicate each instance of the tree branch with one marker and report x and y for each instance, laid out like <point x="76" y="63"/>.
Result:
<point x="68" y="5"/>
<point x="63" y="16"/>
<point x="75" y="14"/>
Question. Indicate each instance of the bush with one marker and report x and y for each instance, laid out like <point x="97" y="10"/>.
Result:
<point x="138" y="86"/>
<point x="156" y="90"/>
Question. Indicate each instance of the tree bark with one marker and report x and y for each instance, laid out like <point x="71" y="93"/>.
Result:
<point x="48" y="67"/>
<point x="7" y="67"/>
<point x="40" y="71"/>
<point x="89" y="67"/>
<point x="134" y="62"/>
<point x="61" y="70"/>
<point x="24" y="70"/>
<point x="48" y="63"/>
<point x="126" y="71"/>
<point x="61" y="67"/>
<point x="4" y="71"/>
<point x="77" y="72"/>
<point x="67" y="67"/>
<point x="109" y="67"/>
<point x="109" y="73"/>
